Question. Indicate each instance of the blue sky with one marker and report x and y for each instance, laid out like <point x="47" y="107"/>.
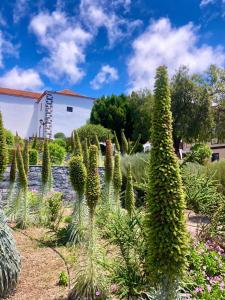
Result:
<point x="98" y="47"/>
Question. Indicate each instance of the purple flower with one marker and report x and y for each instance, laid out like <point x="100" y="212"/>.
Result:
<point x="98" y="293"/>
<point x="209" y="288"/>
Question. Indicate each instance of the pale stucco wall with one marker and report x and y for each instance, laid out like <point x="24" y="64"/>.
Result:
<point x="19" y="114"/>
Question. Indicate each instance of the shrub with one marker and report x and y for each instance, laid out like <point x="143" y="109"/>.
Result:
<point x="57" y="154"/>
<point x="200" y="153"/>
<point x="33" y="157"/>
<point x="60" y="142"/>
<point x="59" y="135"/>
<point x="9" y="137"/>
<point x="63" y="279"/>
<point x="89" y="131"/>
<point x="54" y="210"/>
<point x="166" y="236"/>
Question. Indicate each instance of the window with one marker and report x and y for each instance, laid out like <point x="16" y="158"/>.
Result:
<point x="69" y="109"/>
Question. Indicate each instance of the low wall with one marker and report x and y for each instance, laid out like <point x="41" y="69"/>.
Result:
<point x="61" y="181"/>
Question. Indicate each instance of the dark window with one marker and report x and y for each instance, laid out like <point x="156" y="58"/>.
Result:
<point x="69" y="109"/>
<point x="215" y="156"/>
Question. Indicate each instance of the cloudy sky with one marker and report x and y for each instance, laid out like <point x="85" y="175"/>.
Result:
<point x="98" y="47"/>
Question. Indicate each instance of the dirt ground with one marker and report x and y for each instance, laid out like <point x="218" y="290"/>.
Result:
<point x="41" y="267"/>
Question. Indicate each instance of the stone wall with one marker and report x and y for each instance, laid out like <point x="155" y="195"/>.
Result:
<point x="61" y="181"/>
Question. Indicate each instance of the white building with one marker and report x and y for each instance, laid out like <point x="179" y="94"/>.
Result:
<point x="44" y="114"/>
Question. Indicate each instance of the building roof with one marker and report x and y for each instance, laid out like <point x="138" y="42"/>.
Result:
<point x="37" y="95"/>
<point x="20" y="93"/>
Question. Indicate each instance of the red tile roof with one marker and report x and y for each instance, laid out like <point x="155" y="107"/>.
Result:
<point x="20" y="93"/>
<point x="72" y="93"/>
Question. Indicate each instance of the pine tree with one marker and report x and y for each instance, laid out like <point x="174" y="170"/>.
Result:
<point x="117" y="145"/>
<point x="26" y="156"/>
<point x="46" y="167"/>
<point x="76" y="144"/>
<point x="3" y="149"/>
<point x="13" y="169"/>
<point x="85" y="152"/>
<point x="129" y="194"/>
<point x="124" y="142"/>
<point x="117" y="179"/>
<point x="165" y="222"/>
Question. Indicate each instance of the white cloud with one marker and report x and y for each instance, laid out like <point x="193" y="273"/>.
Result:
<point x="20" y="10"/>
<point x="21" y="79"/>
<point x="206" y="2"/>
<point x="99" y="13"/>
<point x="6" y="48"/>
<point x="163" y="44"/>
<point x="65" y="42"/>
<point x="106" y="75"/>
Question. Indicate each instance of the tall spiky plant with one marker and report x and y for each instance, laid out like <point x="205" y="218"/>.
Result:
<point x="117" y="179"/>
<point x="76" y="144"/>
<point x="26" y="156"/>
<point x="3" y="149"/>
<point x="108" y="169"/>
<point x="46" y="175"/>
<point x="78" y="176"/>
<point x="85" y="152"/>
<point x="117" y="145"/>
<point x="165" y="221"/>
<point x="96" y="142"/>
<point x="129" y="194"/>
<point x="12" y="180"/>
<point x="124" y="142"/>
<point x="34" y="142"/>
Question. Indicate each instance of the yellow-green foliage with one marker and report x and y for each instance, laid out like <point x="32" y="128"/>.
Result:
<point x="129" y="194"/>
<point x="85" y="152"/>
<point x="96" y="141"/>
<point x="22" y="174"/>
<point x="116" y="142"/>
<point x="165" y="220"/>
<point x="46" y="165"/>
<point x="26" y="156"/>
<point x="124" y="142"/>
<point x="108" y="162"/>
<point x="3" y="149"/>
<point x="78" y="174"/>
<point x="13" y="168"/>
<point x="77" y="149"/>
<point x="117" y="178"/>
<point x="93" y="182"/>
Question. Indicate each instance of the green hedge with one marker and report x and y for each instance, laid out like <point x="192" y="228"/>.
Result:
<point x="57" y="154"/>
<point x="90" y="131"/>
<point x="33" y="157"/>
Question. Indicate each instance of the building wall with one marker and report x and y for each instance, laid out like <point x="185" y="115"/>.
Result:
<point x="63" y="121"/>
<point x="19" y="114"/>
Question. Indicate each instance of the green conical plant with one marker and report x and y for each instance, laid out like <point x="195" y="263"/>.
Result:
<point x="117" y="145"/>
<point x="9" y="260"/>
<point x="26" y="156"/>
<point x="72" y="141"/>
<point x="134" y="148"/>
<point x="34" y="143"/>
<point x="3" y="149"/>
<point x="117" y="179"/>
<point x="46" y="168"/>
<point x="85" y="152"/>
<point x="76" y="144"/>
<point x="21" y="170"/>
<point x="108" y="169"/>
<point x="124" y="142"/>
<point x="165" y="221"/>
<point x="129" y="194"/>
<point x="93" y="182"/>
<point x="78" y="176"/>
<point x="96" y="142"/>
<point x="13" y="169"/>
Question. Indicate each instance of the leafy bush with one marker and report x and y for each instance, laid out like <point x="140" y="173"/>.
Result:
<point x="60" y="142"/>
<point x="9" y="137"/>
<point x="60" y="135"/>
<point x="54" y="209"/>
<point x="57" y="154"/>
<point x="63" y="279"/>
<point x="89" y="131"/>
<point x="200" y="153"/>
<point x="33" y="156"/>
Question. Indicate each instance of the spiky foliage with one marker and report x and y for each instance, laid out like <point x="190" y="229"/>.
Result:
<point x="117" y="179"/>
<point x="26" y="156"/>
<point x="3" y="149"/>
<point x="134" y="148"/>
<point x="13" y="169"/>
<point x="9" y="260"/>
<point x="78" y="174"/>
<point x="124" y="142"/>
<point x="46" y="166"/>
<point x="21" y="170"/>
<point x="108" y="162"/>
<point x="116" y="142"/>
<point x="96" y="142"/>
<point x="165" y="221"/>
<point x="77" y="149"/>
<point x="34" y="143"/>
<point x="85" y="152"/>
<point x="129" y="194"/>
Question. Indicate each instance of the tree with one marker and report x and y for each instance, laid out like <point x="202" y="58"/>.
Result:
<point x="3" y="149"/>
<point x="191" y="105"/>
<point x="117" y="179"/>
<point x="26" y="156"/>
<point x="166" y="236"/>
<point x="129" y="194"/>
